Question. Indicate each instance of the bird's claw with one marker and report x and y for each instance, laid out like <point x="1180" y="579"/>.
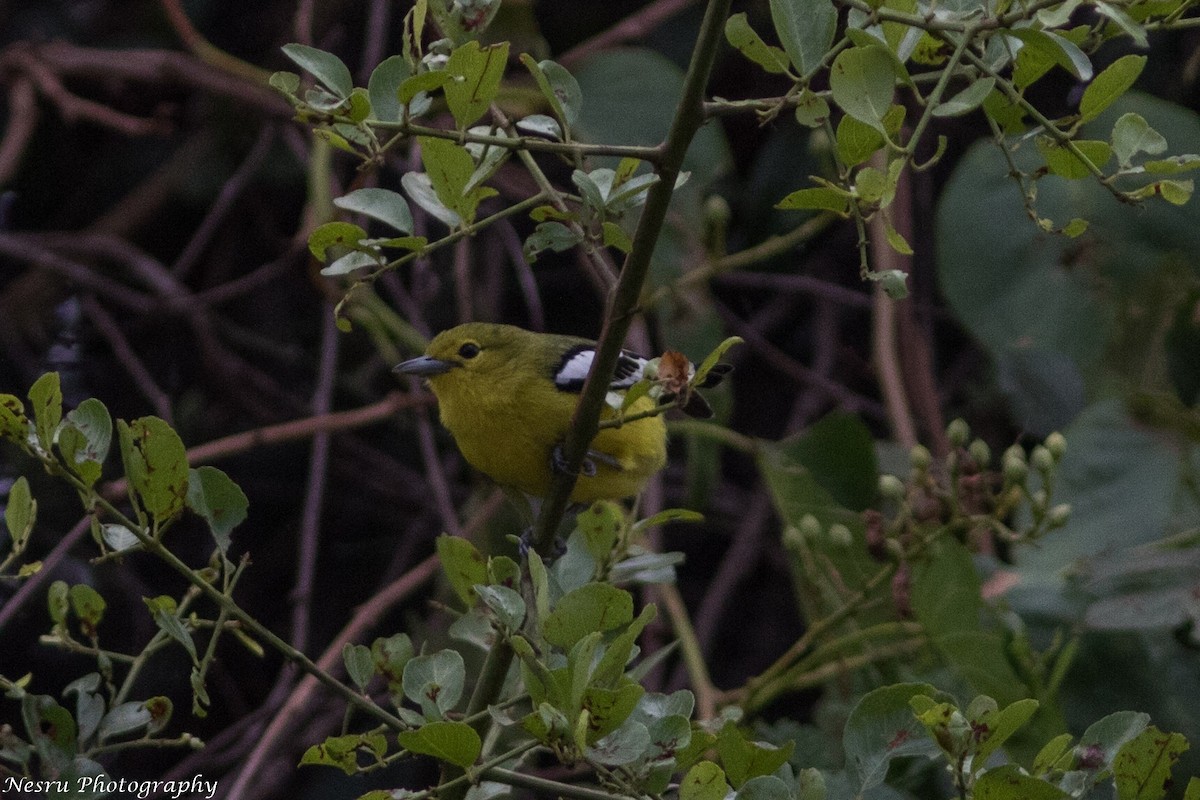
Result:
<point x="558" y="461"/>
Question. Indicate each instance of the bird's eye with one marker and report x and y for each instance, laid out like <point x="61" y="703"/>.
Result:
<point x="469" y="350"/>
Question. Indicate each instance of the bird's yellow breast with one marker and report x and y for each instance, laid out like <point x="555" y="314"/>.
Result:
<point x="508" y="429"/>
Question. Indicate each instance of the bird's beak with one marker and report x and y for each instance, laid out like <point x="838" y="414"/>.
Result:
<point x="424" y="366"/>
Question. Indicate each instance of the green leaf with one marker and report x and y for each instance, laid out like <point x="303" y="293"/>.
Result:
<point x="1065" y="164"/>
<point x="58" y="601"/>
<point x="821" y="198"/>
<point x="420" y="189"/>
<point x="746" y="41"/>
<point x="1132" y="134"/>
<point x="704" y="781"/>
<point x="1116" y="79"/>
<point x="287" y="83"/>
<point x="541" y="125"/>
<point x="383" y="87"/>
<point x="20" y="513"/>
<point x="334" y="234"/>
<point x="360" y="664"/>
<point x="996" y="727"/>
<point x="342" y="751"/>
<point x="390" y="655"/>
<point x="764" y="787"/>
<point x="325" y="67"/>
<point x="862" y="80"/>
<point x="611" y="667"/>
<point x="1128" y="25"/>
<point x="549" y="236"/>
<point x="156" y="465"/>
<point x="450" y="168"/>
<point x="1175" y="192"/>
<point x="1172" y="165"/>
<point x="88" y="606"/>
<point x="615" y="236"/>
<point x="1056" y="49"/>
<point x="882" y="727"/>
<point x="84" y="439"/>
<point x="669" y="515"/>
<point x="592" y="607"/>
<point x="600" y="525"/>
<point x="744" y="759"/>
<point x="14" y="425"/>
<point x="453" y="742"/>
<point x="609" y="708"/>
<point x="1142" y="770"/>
<point x="123" y="720"/>
<point x="559" y="87"/>
<point x="505" y="603"/>
<point x="475" y="73"/>
<point x="45" y="403"/>
<point x="353" y="260"/>
<point x="1102" y="741"/>
<point x="1075" y="228"/>
<point x="118" y="537"/>
<point x="1052" y="753"/>
<point x="806" y="29"/>
<point x="624" y="746"/>
<point x="422" y="82"/>
<point x="464" y="566"/>
<point x="435" y="682"/>
<point x="384" y="205"/>
<point x="898" y="243"/>
<point x="858" y="141"/>
<point x="164" y="612"/>
<point x="946" y="601"/>
<point x="967" y="100"/>
<point x="218" y="500"/>
<point x="811" y="109"/>
<point x="1008" y="782"/>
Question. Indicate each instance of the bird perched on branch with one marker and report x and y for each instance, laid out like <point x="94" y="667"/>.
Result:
<point x="507" y="395"/>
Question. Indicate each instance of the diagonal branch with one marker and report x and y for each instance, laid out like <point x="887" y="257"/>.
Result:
<point x="623" y="299"/>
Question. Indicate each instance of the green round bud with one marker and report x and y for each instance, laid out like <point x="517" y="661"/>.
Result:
<point x="1059" y="515"/>
<point x="894" y="548"/>
<point x="1056" y="443"/>
<point x="920" y="458"/>
<point x="981" y="454"/>
<point x="891" y="487"/>
<point x="1015" y="468"/>
<point x="1039" y="499"/>
<point x="1041" y="459"/>
<point x="810" y="526"/>
<point x="793" y="539"/>
<point x="958" y="432"/>
<point x="840" y="535"/>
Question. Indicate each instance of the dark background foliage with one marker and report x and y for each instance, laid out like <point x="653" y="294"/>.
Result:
<point x="154" y="253"/>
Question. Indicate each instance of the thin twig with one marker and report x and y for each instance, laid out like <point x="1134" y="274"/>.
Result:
<point x="314" y="493"/>
<point x="125" y="355"/>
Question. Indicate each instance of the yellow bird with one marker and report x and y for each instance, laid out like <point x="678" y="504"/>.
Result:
<point x="507" y="395"/>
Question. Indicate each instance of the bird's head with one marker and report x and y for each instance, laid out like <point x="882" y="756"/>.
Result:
<point x="467" y="351"/>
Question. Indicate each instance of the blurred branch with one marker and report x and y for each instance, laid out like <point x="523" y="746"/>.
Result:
<point x="22" y="122"/>
<point x="206" y="51"/>
<point x="633" y="27"/>
<point x="60" y="59"/>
